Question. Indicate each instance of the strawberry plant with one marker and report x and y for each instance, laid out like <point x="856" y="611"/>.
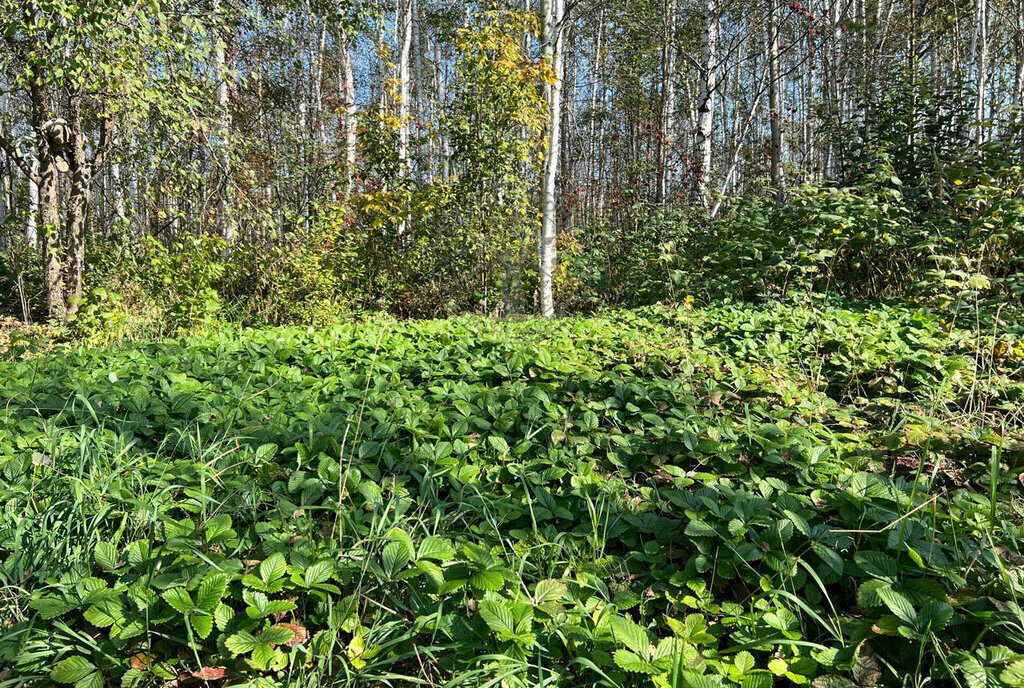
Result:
<point x="732" y="496"/>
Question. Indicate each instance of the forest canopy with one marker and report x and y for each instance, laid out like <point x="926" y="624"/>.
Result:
<point x="286" y="162"/>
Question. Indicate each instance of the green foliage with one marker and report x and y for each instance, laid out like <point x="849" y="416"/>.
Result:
<point x="733" y="496"/>
<point x="629" y="265"/>
<point x="868" y="240"/>
<point x="307" y="278"/>
<point x="20" y="277"/>
<point x="112" y="53"/>
<point x="153" y="290"/>
<point x="460" y="242"/>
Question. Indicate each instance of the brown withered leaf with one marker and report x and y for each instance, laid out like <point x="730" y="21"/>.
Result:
<point x="141" y="661"/>
<point x="210" y="673"/>
<point x="866" y="670"/>
<point x="300" y="633"/>
<point x="663" y="476"/>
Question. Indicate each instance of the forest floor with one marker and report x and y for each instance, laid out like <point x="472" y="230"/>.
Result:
<point x="732" y="495"/>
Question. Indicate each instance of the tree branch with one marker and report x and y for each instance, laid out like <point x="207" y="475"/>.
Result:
<point x="12" y="153"/>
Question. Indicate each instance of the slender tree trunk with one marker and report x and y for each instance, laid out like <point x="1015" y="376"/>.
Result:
<point x="405" y="91"/>
<point x="405" y="85"/>
<point x="5" y="194"/>
<point x="1019" y="80"/>
<point x="53" y="273"/>
<point x="78" y="199"/>
<point x="117" y="190"/>
<point x="50" y="231"/>
<point x="982" y="67"/>
<point x="706" y="108"/>
<point x="668" y="98"/>
<point x="318" y="86"/>
<point x="32" y="219"/>
<point x="441" y="90"/>
<point x="775" y="102"/>
<point x="730" y="172"/>
<point x="383" y="57"/>
<point x="417" y="97"/>
<point x="225" y="211"/>
<point x="302" y="80"/>
<point x="351" y="121"/>
<point x="596" y="76"/>
<point x="552" y="14"/>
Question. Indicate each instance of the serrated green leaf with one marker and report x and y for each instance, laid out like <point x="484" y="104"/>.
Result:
<point x="218" y="528"/>
<point x="432" y="570"/>
<point x="549" y="591"/>
<point x="1013" y="675"/>
<point x="242" y="643"/>
<point x="223" y="615"/>
<point x="744" y="662"/>
<point x="93" y="680"/>
<point x="50" y="607"/>
<point x="272" y="568"/>
<point x="263" y="656"/>
<point x="935" y="615"/>
<point x="202" y="624"/>
<point x="72" y="670"/>
<point x="498" y="618"/>
<point x="631" y="634"/>
<point x="211" y="590"/>
<point x="106" y="613"/>
<point x="487" y="580"/>
<point x="106" y="555"/>
<point x="276" y="635"/>
<point x="695" y="679"/>
<point x="899" y="605"/>
<point x="436" y="548"/>
<point x="179" y="599"/>
<point x="393" y="558"/>
<point x="631" y="662"/>
<point x="318" y="572"/>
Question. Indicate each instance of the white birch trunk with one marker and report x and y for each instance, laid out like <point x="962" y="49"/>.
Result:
<point x="982" y="66"/>
<point x="706" y="108"/>
<point x="668" y="100"/>
<point x="117" y="191"/>
<point x="1019" y="79"/>
<point x="775" y="103"/>
<point x="553" y="13"/>
<point x="351" y="114"/>
<point x="404" y="82"/>
<point x="32" y="220"/>
<point x="404" y="85"/>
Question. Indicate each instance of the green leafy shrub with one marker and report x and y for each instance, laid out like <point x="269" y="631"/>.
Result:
<point x="866" y="240"/>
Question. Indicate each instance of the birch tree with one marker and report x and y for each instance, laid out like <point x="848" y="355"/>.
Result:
<point x="553" y="17"/>
<point x="706" y="108"/>
<point x="775" y="103"/>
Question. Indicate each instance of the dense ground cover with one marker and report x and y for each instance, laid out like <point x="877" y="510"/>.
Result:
<point x="735" y="495"/>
